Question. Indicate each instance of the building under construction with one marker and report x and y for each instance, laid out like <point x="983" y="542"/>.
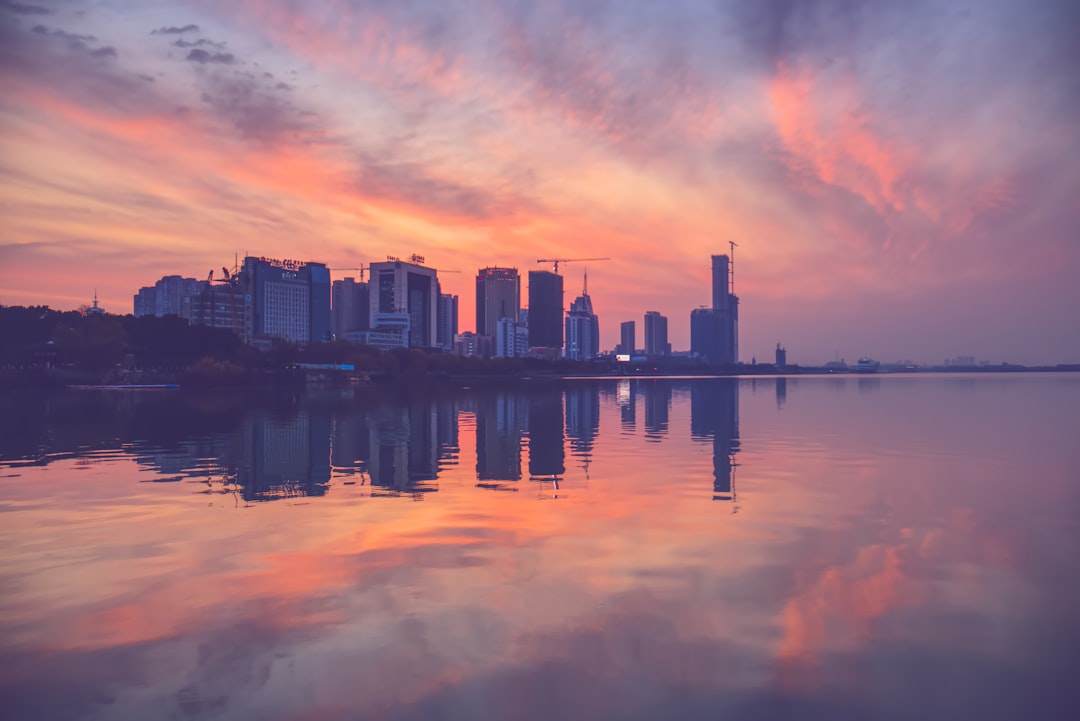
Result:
<point x="714" y="332"/>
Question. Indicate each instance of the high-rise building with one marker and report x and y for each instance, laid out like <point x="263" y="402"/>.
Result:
<point x="406" y="295"/>
<point x="286" y="299"/>
<point x="721" y="281"/>
<point x="220" y="305"/>
<point x="656" y="342"/>
<point x="714" y="332"/>
<point x="498" y="295"/>
<point x="545" y="310"/>
<point x="172" y="295"/>
<point x="351" y="308"/>
<point x="582" y="328"/>
<point x="627" y="337"/>
<point x="448" y="321"/>
<point x="511" y="339"/>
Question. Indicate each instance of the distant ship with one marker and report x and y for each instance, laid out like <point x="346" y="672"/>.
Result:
<point x="866" y="365"/>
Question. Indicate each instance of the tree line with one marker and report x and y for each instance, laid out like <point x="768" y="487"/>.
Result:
<point x="49" y="345"/>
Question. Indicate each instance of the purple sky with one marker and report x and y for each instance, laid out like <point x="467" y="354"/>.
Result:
<point x="901" y="178"/>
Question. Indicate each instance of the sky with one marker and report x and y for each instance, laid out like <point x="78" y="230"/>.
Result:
<point x="900" y="179"/>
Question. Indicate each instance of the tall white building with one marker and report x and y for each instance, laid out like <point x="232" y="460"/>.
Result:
<point x="406" y="289"/>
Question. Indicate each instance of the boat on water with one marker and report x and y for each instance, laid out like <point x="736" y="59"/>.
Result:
<point x="866" y="365"/>
<point x="126" y="387"/>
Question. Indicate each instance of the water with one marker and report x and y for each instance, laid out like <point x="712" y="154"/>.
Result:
<point x="888" y="547"/>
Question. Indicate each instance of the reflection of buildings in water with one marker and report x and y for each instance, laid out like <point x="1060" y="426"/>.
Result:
<point x="446" y="433"/>
<point x="423" y="443"/>
<point x="407" y="444"/>
<point x="388" y="465"/>
<point x="500" y="421"/>
<point x="350" y="446"/>
<point x="546" y="454"/>
<point x="626" y="394"/>
<point x="867" y="385"/>
<point x="197" y="458"/>
<point x="582" y="420"/>
<point x="284" y="457"/>
<point x="781" y="392"/>
<point x="714" y="415"/>
<point x="657" y="405"/>
<point x="402" y="448"/>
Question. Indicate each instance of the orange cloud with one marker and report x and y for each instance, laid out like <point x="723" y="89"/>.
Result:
<point x="824" y="128"/>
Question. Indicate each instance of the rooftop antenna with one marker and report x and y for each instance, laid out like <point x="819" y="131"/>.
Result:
<point x="731" y="276"/>
<point x="585" y="287"/>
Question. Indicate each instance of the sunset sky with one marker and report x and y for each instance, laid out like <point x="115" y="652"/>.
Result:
<point x="902" y="179"/>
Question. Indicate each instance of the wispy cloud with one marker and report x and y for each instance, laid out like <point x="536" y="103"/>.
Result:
<point x="198" y="55"/>
<point x="175" y="30"/>
<point x="23" y="8"/>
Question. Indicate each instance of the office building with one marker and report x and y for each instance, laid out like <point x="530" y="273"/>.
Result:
<point x="447" y="325"/>
<point x="714" y="332"/>
<point x="351" y="307"/>
<point x="545" y="311"/>
<point x="627" y="337"/>
<point x="582" y="327"/>
<point x="656" y="342"/>
<point x="498" y="295"/>
<point x="405" y="297"/>
<point x="286" y="299"/>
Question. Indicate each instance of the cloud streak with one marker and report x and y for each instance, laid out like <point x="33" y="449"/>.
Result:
<point x="175" y="30"/>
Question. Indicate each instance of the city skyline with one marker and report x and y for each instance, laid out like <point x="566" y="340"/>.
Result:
<point x="898" y="180"/>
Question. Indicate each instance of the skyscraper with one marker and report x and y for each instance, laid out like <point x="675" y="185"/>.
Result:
<point x="627" y="337"/>
<point x="448" y="321"/>
<point x="498" y="295"/>
<point x="406" y="294"/>
<point x="582" y="327"/>
<point x="656" y="342"/>
<point x="351" y="309"/>
<point x="286" y="299"/>
<point x="714" y="332"/>
<point x="721" y="280"/>
<point x="545" y="310"/>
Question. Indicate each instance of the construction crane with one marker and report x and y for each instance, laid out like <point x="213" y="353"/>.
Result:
<point x="731" y="276"/>
<point x="555" y="261"/>
<point x="359" y="270"/>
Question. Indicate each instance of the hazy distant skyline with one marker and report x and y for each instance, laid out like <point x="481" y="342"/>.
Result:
<point x="901" y="178"/>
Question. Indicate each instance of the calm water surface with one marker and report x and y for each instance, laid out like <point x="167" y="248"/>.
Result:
<point x="841" y="548"/>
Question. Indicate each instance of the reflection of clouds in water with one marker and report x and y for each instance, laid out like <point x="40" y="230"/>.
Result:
<point x="854" y="573"/>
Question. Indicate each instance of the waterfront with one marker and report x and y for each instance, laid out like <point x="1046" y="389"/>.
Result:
<point x="629" y="548"/>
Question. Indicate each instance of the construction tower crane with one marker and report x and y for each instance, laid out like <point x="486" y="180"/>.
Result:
<point x="731" y="276"/>
<point x="555" y="261"/>
<point x="359" y="270"/>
